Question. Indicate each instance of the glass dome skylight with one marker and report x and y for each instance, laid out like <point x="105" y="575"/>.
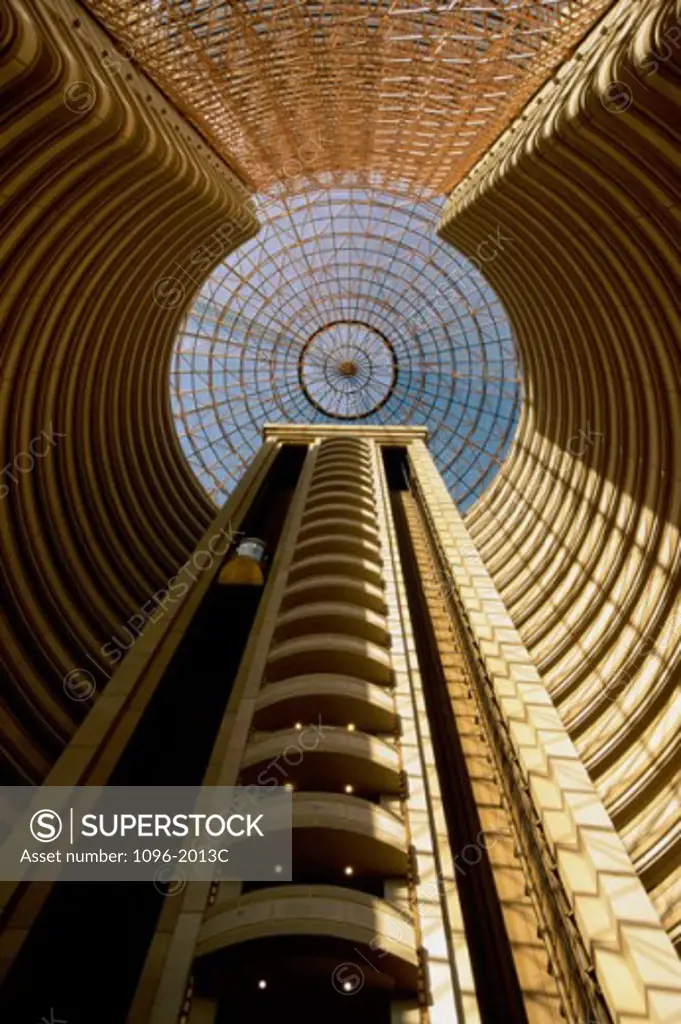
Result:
<point x="346" y="307"/>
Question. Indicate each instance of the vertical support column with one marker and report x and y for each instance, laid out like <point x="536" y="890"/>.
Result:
<point x="489" y="869"/>
<point x="634" y="960"/>
<point x="451" y="997"/>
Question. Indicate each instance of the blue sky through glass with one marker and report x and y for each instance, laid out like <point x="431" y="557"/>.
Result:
<point x="355" y="255"/>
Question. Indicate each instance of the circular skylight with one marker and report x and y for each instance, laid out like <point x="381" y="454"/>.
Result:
<point x="348" y="370"/>
<point x="346" y="307"/>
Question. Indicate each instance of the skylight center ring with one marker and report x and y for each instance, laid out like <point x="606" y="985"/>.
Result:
<point x="347" y="369"/>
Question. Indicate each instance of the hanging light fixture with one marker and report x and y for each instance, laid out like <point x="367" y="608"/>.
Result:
<point x="245" y="566"/>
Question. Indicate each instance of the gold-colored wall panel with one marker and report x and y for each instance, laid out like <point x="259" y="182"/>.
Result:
<point x="104" y="188"/>
<point x="581" y="527"/>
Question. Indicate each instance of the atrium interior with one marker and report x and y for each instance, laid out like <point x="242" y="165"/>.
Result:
<point x="340" y="366"/>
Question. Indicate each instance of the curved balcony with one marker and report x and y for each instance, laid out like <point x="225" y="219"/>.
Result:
<point x="336" y="565"/>
<point x="351" y="444"/>
<point x="338" y="491"/>
<point x="340" y="497"/>
<point x="344" y="459"/>
<point x="334" y="588"/>
<point x="344" y="508"/>
<point x="342" y="439"/>
<point x="353" y="482"/>
<point x="332" y="617"/>
<point x="322" y="758"/>
<point x="336" y="698"/>
<point x="340" y="543"/>
<point x="338" y="476"/>
<point x="339" y="525"/>
<point x="348" y="470"/>
<point x="300" y="934"/>
<point x="331" y="830"/>
<point x="355" y="474"/>
<point x="344" y="450"/>
<point x="330" y="652"/>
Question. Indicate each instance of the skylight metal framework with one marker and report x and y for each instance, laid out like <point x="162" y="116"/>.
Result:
<point x="414" y="91"/>
<point x="347" y="307"/>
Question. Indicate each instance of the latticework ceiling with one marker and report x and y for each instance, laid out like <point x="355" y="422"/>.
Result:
<point x="414" y="91"/>
<point x="346" y="307"/>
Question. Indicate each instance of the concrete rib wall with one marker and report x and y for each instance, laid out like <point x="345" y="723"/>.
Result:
<point x="105" y="193"/>
<point x="581" y="527"/>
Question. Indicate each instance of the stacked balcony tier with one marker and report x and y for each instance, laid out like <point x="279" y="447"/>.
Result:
<point x="325" y="725"/>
